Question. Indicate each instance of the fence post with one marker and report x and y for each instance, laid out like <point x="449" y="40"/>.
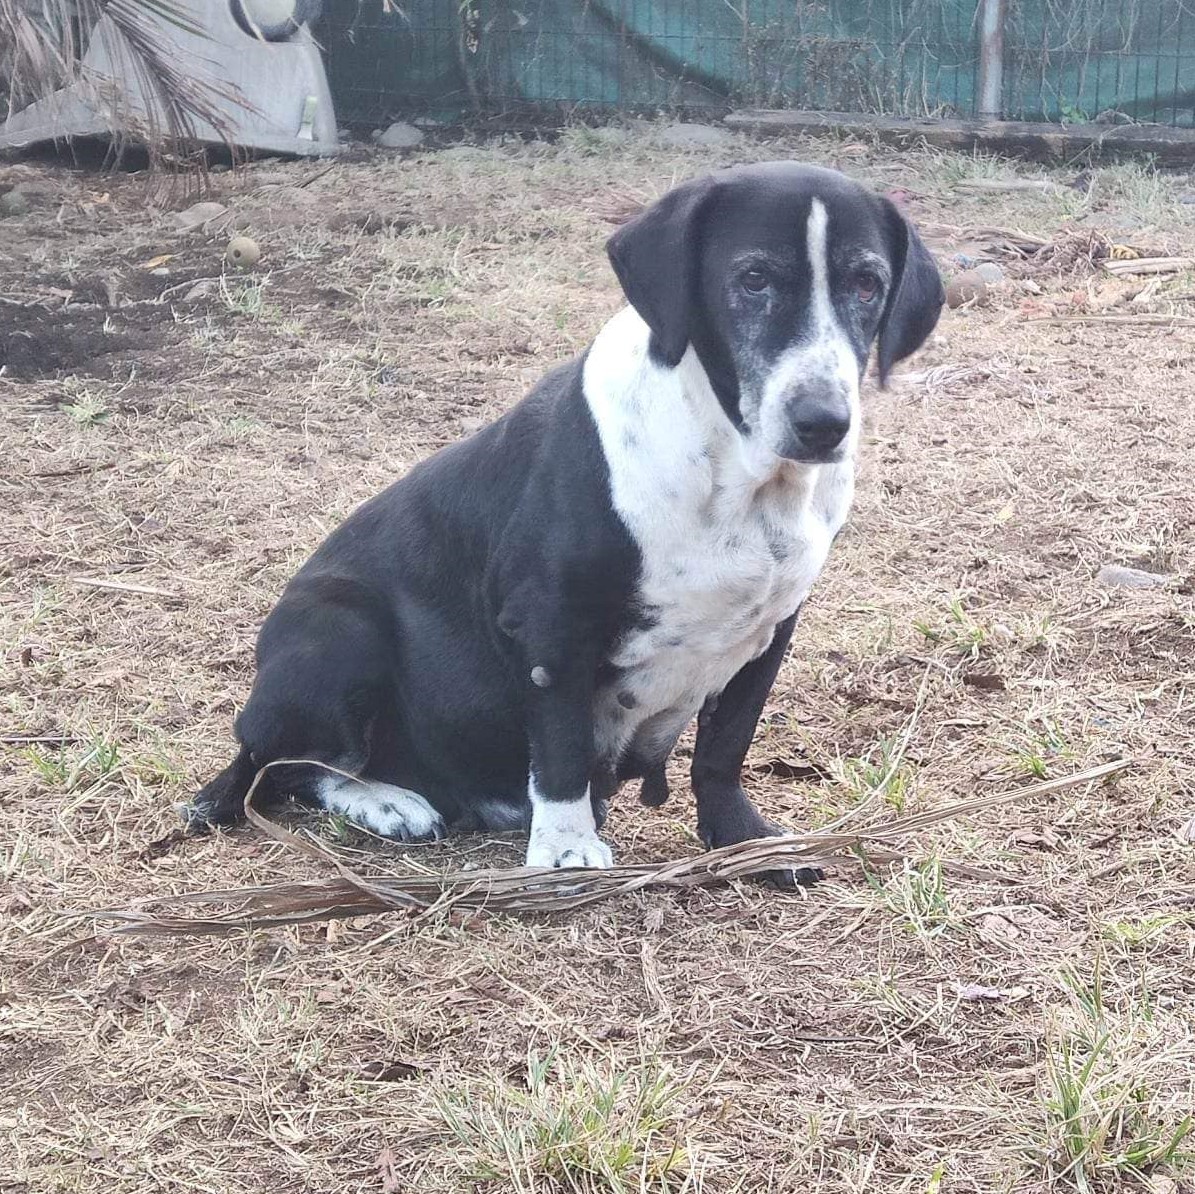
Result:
<point x="991" y="16"/>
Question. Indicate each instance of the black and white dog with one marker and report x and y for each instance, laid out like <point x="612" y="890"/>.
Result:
<point x="535" y="614"/>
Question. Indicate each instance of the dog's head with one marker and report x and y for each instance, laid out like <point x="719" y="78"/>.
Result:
<point x="780" y="276"/>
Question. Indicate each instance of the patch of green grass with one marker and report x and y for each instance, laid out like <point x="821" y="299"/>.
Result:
<point x="581" y="1128"/>
<point x="948" y="168"/>
<point x="1040" y="748"/>
<point x="957" y="631"/>
<point x="243" y="427"/>
<point x="583" y="139"/>
<point x="1142" y="930"/>
<point x="1041" y="632"/>
<point x="243" y="297"/>
<point x="881" y="773"/>
<point x="1108" y="1117"/>
<point x="43" y="603"/>
<point x="74" y="766"/>
<point x="156" y="766"/>
<point x="904" y="1010"/>
<point x="338" y="828"/>
<point x="916" y="893"/>
<point x="1137" y="188"/>
<point x="88" y="409"/>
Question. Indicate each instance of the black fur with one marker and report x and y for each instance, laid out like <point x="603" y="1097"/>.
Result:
<point x="404" y="649"/>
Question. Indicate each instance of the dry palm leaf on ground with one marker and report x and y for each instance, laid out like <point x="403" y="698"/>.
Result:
<point x="523" y="890"/>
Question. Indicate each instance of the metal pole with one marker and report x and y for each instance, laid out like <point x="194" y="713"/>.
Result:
<point x="990" y="18"/>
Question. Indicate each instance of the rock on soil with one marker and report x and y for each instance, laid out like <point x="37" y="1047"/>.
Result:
<point x="13" y="203"/>
<point x="693" y="136"/>
<point x="1116" y="576"/>
<point x="197" y="215"/>
<point x="967" y="287"/>
<point x="399" y="135"/>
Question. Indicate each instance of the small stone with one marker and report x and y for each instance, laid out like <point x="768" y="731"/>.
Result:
<point x="967" y="287"/>
<point x="694" y="136"/>
<point x="202" y="289"/>
<point x="160" y="272"/>
<point x="540" y="677"/>
<point x="990" y="272"/>
<point x="400" y="135"/>
<point x="242" y="252"/>
<point x="1116" y="576"/>
<point x="197" y="215"/>
<point x="13" y="203"/>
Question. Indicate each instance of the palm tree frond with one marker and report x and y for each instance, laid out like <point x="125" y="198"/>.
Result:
<point x="152" y="93"/>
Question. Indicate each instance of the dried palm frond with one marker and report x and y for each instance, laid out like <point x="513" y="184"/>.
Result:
<point x="43" y="47"/>
<point x="524" y="890"/>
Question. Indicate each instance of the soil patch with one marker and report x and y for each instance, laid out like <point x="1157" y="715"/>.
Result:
<point x="37" y="341"/>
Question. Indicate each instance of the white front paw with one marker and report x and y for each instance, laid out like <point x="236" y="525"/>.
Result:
<point x="567" y="848"/>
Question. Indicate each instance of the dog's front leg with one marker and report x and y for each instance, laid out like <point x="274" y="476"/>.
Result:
<point x="725" y="729"/>
<point x="560" y="734"/>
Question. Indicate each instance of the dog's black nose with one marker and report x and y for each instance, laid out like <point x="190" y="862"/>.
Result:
<point x="818" y="428"/>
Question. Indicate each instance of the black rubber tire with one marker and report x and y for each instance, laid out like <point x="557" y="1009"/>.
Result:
<point x="276" y="26"/>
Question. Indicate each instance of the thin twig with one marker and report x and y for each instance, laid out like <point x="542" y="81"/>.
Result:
<point x="39" y="740"/>
<point x="1146" y="320"/>
<point x="120" y="586"/>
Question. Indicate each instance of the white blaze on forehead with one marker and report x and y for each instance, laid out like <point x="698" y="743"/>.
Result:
<point x="819" y="266"/>
<point x="824" y="354"/>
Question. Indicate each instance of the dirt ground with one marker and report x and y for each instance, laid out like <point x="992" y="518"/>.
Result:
<point x="192" y="434"/>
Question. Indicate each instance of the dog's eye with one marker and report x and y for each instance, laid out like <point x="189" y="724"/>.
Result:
<point x="754" y="281"/>
<point x="867" y="286"/>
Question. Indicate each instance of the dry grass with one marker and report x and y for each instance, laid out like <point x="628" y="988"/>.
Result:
<point x="914" y="1029"/>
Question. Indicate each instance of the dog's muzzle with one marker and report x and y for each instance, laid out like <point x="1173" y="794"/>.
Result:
<point x="819" y="420"/>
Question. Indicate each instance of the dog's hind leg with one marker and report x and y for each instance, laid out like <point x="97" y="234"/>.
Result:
<point x="380" y="808"/>
<point x="384" y="809"/>
<point x="320" y="703"/>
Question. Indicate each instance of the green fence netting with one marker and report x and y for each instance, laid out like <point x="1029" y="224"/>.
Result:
<point x="1063" y="60"/>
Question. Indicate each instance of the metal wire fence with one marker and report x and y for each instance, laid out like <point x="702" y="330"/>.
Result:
<point x="1077" y="59"/>
<point x="1063" y="59"/>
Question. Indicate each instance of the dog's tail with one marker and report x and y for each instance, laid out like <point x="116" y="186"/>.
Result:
<point x="222" y="801"/>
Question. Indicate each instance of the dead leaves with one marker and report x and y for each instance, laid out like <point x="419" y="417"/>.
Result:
<point x="387" y="1167"/>
<point x="1024" y="928"/>
<point x="977" y="993"/>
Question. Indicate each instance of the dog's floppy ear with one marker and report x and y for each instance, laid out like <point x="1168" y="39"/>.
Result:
<point x="916" y="299"/>
<point x="655" y="256"/>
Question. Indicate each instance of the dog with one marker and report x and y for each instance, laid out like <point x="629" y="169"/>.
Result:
<point x="532" y="616"/>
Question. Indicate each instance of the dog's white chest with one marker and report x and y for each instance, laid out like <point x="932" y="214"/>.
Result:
<point x="730" y="544"/>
